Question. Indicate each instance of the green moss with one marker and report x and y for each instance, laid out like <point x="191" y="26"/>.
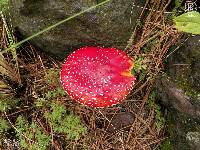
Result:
<point x="177" y="129"/>
<point x="183" y="81"/>
<point x="183" y="75"/>
<point x="189" y="124"/>
<point x="166" y="145"/>
<point x="187" y="87"/>
<point x="4" y="126"/>
<point x="64" y="122"/>
<point x="52" y="76"/>
<point x="31" y="136"/>
<point x="160" y="121"/>
<point x="7" y="103"/>
<point x="4" y="5"/>
<point x="170" y="130"/>
<point x="178" y="7"/>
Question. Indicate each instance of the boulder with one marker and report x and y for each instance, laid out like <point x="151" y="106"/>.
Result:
<point x="179" y="92"/>
<point x="109" y="25"/>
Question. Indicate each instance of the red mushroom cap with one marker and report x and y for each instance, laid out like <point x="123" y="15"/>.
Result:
<point x="97" y="77"/>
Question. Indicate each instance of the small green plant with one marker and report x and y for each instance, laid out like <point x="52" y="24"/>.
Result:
<point x="55" y="93"/>
<point x="4" y="105"/>
<point x="52" y="75"/>
<point x="54" y="87"/>
<point x="158" y="114"/>
<point x="166" y="145"/>
<point x="64" y="122"/>
<point x="139" y="65"/>
<point x="30" y="135"/>
<point x="4" y="5"/>
<point x="4" y="126"/>
<point x="40" y="102"/>
<point x="150" y="44"/>
<point x="177" y="8"/>
<point x="59" y="118"/>
<point x="7" y="103"/>
<point x="188" y="22"/>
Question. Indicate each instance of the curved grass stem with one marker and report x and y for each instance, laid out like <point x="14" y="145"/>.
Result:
<point x="53" y="26"/>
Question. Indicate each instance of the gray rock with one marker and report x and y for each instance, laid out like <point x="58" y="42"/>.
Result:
<point x="109" y="25"/>
<point x="121" y="121"/>
<point x="184" y="64"/>
<point x="172" y="95"/>
<point x="180" y="94"/>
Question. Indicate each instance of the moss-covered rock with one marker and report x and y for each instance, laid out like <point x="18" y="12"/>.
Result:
<point x="180" y="94"/>
<point x="184" y="66"/>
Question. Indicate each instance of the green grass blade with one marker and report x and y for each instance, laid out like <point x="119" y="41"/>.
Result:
<point x="53" y="26"/>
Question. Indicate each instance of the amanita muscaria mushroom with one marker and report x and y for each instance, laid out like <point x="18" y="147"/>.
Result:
<point x="97" y="77"/>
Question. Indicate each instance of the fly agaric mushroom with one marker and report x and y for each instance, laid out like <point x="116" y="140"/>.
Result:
<point x="97" y="77"/>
